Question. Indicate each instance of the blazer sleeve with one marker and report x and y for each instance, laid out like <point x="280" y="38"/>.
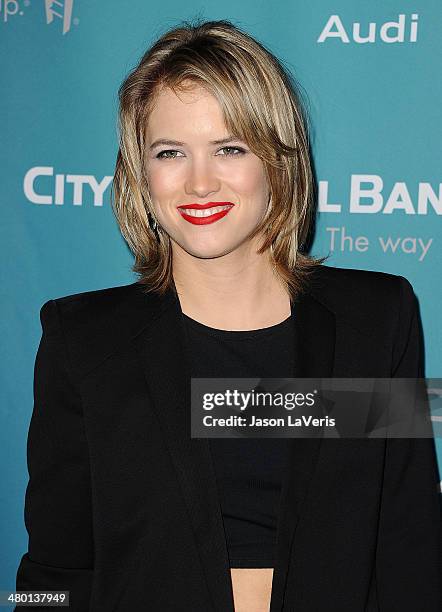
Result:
<point x="58" y="514"/>
<point x="408" y="565"/>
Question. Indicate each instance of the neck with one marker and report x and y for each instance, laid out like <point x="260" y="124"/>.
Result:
<point x="230" y="292"/>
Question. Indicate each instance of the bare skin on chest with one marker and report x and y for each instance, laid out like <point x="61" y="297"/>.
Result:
<point x="252" y="589"/>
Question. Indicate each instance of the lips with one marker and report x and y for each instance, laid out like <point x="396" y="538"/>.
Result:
<point x="222" y="209"/>
<point x="204" y="206"/>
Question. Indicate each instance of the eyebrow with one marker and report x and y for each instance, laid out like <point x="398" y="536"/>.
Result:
<point x="176" y="143"/>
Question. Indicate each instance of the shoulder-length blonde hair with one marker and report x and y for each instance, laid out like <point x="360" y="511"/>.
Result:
<point x="260" y="105"/>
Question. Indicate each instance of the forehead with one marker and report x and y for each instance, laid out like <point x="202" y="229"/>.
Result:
<point x="195" y="110"/>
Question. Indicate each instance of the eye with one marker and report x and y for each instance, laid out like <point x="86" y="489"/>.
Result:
<point x="229" y="152"/>
<point x="240" y="151"/>
<point x="162" y="156"/>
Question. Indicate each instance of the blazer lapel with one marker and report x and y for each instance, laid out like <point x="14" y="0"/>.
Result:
<point x="162" y="352"/>
<point x="315" y="331"/>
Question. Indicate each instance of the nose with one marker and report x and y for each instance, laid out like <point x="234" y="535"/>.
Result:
<point x="201" y="180"/>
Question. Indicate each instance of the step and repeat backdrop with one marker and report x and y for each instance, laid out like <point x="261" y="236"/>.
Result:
<point x="370" y="75"/>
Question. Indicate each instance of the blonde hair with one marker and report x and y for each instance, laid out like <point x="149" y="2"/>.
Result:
<point x="260" y="105"/>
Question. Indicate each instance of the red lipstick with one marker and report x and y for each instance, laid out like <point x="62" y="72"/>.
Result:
<point x="224" y="208"/>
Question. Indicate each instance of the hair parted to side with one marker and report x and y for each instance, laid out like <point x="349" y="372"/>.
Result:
<point x="260" y="105"/>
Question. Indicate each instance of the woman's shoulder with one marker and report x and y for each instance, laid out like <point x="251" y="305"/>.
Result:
<point x="87" y="306"/>
<point x="347" y="288"/>
<point x="95" y="323"/>
<point x="106" y="294"/>
<point x="377" y="304"/>
<point x="349" y="277"/>
<point x="109" y="299"/>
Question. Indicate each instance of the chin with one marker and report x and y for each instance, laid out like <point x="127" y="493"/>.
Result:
<point x="206" y="251"/>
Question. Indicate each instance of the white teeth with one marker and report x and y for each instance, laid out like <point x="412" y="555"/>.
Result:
<point x="204" y="213"/>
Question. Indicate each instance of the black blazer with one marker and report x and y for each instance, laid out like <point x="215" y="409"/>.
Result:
<point x="122" y="507"/>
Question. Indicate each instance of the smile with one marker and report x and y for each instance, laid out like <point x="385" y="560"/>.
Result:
<point x="203" y="216"/>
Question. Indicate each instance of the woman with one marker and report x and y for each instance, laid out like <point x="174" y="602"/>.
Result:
<point x="213" y="193"/>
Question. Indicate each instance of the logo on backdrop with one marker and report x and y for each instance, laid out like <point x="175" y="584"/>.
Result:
<point x="367" y="195"/>
<point x="10" y="8"/>
<point x="40" y="191"/>
<point x="371" y="187"/>
<point x="60" y="10"/>
<point x="56" y="11"/>
<point x="401" y="31"/>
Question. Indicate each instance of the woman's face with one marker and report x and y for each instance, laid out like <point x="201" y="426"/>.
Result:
<point x="195" y="169"/>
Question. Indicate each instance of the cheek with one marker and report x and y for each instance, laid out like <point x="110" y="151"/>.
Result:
<point x="251" y="179"/>
<point x="161" y="183"/>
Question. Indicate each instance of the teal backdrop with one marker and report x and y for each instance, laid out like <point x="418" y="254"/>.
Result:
<point x="369" y="73"/>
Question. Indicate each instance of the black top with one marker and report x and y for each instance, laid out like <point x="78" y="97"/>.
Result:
<point x="249" y="471"/>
